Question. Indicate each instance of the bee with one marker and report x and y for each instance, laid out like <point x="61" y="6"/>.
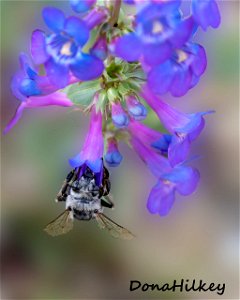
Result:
<point x="85" y="200"/>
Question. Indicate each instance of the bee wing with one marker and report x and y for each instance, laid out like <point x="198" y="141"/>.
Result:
<point x="62" y="224"/>
<point x="114" y="229"/>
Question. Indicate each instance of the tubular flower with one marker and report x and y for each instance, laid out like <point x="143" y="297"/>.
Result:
<point x="113" y="157"/>
<point x="179" y="179"/>
<point x="61" y="51"/>
<point x="206" y="13"/>
<point x="180" y="73"/>
<point x="33" y="90"/>
<point x="184" y="127"/>
<point x="92" y="152"/>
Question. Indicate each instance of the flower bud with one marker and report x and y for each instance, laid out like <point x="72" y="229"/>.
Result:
<point x="113" y="157"/>
<point x="119" y="116"/>
<point x="136" y="109"/>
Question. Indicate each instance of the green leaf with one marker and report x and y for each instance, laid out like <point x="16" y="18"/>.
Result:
<point x="83" y="93"/>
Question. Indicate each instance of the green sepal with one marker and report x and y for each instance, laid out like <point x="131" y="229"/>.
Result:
<point x="112" y="94"/>
<point x="102" y="101"/>
<point x="82" y="93"/>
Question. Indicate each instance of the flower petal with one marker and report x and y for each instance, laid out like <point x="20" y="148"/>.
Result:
<point x="28" y="87"/>
<point x="76" y="161"/>
<point x="160" y="78"/>
<point x="128" y="47"/>
<point x="156" y="53"/>
<point x="58" y="74"/>
<point x="38" y="50"/>
<point x="54" y="18"/>
<point x="95" y="165"/>
<point x="182" y="32"/>
<point x="15" y="83"/>
<point x="77" y="29"/>
<point x="185" y="179"/>
<point x="161" y="199"/>
<point x="178" y="150"/>
<point x="199" y="63"/>
<point x="57" y="98"/>
<point x="81" y="6"/>
<point x="87" y="67"/>
<point x="15" y="118"/>
<point x="163" y="143"/>
<point x="181" y="82"/>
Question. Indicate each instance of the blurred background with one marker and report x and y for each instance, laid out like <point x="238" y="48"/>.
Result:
<point x="199" y="238"/>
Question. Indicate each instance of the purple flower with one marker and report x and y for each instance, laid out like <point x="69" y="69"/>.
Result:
<point x="159" y="29"/>
<point x="34" y="90"/>
<point x="119" y="117"/>
<point x="135" y="109"/>
<point x="180" y="73"/>
<point x="92" y="151"/>
<point x="185" y="128"/>
<point x="113" y="157"/>
<point x="179" y="179"/>
<point x="206" y="13"/>
<point x="61" y="51"/>
<point x="82" y="6"/>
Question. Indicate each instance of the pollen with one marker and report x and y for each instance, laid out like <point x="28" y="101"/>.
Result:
<point x="182" y="56"/>
<point x="66" y="49"/>
<point x="157" y="27"/>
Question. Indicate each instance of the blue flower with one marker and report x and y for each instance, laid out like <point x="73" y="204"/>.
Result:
<point x="206" y="13"/>
<point x="61" y="51"/>
<point x="179" y="73"/>
<point x="159" y="29"/>
<point x="82" y="6"/>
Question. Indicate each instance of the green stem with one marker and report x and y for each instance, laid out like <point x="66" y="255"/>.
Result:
<point x="115" y="14"/>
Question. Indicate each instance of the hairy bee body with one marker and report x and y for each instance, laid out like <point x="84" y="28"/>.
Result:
<point x="85" y="200"/>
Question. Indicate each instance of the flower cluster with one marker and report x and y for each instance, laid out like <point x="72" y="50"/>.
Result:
<point x="109" y="63"/>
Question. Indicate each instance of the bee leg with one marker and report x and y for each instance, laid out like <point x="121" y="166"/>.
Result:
<point x="65" y="189"/>
<point x="107" y="201"/>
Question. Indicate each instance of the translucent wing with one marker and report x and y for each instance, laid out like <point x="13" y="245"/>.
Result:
<point x="62" y="224"/>
<point x="114" y="229"/>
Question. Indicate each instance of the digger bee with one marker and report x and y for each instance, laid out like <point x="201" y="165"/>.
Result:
<point x="85" y="200"/>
